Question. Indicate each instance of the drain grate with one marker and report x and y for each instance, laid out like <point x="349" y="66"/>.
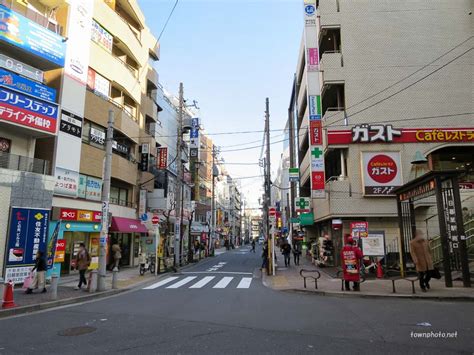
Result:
<point x="72" y="332"/>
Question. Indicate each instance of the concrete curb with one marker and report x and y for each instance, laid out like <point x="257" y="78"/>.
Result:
<point x="57" y="303"/>
<point x="351" y="294"/>
<point x="4" y="313"/>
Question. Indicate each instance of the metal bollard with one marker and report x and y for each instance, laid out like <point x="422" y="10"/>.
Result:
<point x="93" y="281"/>
<point x="54" y="287"/>
<point x="114" y="278"/>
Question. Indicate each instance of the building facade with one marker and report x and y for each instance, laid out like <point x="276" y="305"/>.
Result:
<point x="367" y="101"/>
<point x="99" y="58"/>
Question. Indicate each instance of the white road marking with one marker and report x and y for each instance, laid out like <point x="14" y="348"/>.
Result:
<point x="223" y="282"/>
<point x="203" y="282"/>
<point x="161" y="283"/>
<point x="245" y="282"/>
<point x="217" y="272"/>
<point x="182" y="282"/>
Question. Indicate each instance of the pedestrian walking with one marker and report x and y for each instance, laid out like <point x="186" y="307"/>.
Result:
<point x="286" y="251"/>
<point x="351" y="256"/>
<point x="117" y="255"/>
<point x="265" y="256"/>
<point x="296" y="253"/>
<point x="39" y="278"/>
<point x="83" y="261"/>
<point x="253" y="245"/>
<point x="421" y="256"/>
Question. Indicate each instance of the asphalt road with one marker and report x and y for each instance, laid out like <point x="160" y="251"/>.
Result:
<point x="220" y="307"/>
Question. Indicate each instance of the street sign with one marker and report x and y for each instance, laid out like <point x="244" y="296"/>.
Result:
<point x="303" y="204"/>
<point x="272" y="211"/>
<point x="294" y="174"/>
<point x="155" y="220"/>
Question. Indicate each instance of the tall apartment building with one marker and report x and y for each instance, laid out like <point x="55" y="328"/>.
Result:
<point x="29" y="119"/>
<point x="376" y="83"/>
<point x="101" y="58"/>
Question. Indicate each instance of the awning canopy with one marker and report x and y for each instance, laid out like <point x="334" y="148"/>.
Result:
<point x="127" y="225"/>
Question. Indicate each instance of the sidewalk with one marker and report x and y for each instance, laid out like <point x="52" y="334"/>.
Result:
<point x="289" y="279"/>
<point x="128" y="278"/>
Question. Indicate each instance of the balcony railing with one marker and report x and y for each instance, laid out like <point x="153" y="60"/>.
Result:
<point x="116" y="201"/>
<point x="22" y="163"/>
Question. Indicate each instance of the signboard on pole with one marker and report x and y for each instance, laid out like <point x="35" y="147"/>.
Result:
<point x="294" y="174"/>
<point x="374" y="244"/>
<point x="303" y="204"/>
<point x="28" y="232"/>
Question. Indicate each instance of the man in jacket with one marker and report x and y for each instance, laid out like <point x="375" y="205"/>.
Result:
<point x="83" y="261"/>
<point x="421" y="256"/>
<point x="39" y="279"/>
<point x="286" y="251"/>
<point x="351" y="256"/>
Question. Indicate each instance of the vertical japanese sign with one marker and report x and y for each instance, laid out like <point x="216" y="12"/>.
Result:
<point x="451" y="224"/>
<point x="313" y="84"/>
<point x="79" y="34"/>
<point x="381" y="172"/>
<point x="28" y="232"/>
<point x="163" y="158"/>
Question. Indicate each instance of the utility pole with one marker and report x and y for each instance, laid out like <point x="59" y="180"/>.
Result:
<point x="268" y="185"/>
<point x="291" y="127"/>
<point x="213" y="203"/>
<point x="104" y="231"/>
<point x="179" y="181"/>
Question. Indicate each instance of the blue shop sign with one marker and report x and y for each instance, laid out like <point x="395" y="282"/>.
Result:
<point x="28" y="234"/>
<point x="31" y="37"/>
<point x="27" y="86"/>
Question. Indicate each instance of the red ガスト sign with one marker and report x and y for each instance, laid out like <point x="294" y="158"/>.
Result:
<point x="382" y="169"/>
<point x="315" y="132"/>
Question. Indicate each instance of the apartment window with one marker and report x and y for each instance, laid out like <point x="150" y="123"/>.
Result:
<point x="330" y="41"/>
<point x="336" y="163"/>
<point x="93" y="134"/>
<point x="333" y="98"/>
<point x="119" y="196"/>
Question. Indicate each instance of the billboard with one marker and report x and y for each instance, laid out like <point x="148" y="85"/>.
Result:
<point x="27" y="111"/>
<point x="19" y="83"/>
<point x="67" y="182"/>
<point x="21" y="68"/>
<point x="28" y="233"/>
<point x="381" y="172"/>
<point x="77" y="54"/>
<point x="31" y="37"/>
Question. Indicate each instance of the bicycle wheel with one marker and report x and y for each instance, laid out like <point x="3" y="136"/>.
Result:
<point x="152" y="268"/>
<point x="142" y="270"/>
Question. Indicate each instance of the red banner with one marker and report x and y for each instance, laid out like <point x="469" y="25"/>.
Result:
<point x="315" y="132"/>
<point x="412" y="135"/>
<point x="317" y="179"/>
<point x="163" y="158"/>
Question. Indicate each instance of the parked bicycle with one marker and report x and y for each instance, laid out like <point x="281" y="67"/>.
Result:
<point x="147" y="265"/>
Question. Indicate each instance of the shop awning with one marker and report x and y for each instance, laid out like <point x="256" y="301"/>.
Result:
<point x="127" y="225"/>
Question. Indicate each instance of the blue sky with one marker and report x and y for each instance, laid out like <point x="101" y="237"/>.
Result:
<point x="230" y="55"/>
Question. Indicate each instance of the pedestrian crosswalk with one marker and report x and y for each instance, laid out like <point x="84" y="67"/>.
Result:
<point x="192" y="282"/>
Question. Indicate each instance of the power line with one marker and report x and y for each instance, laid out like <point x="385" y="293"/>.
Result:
<point x="408" y="76"/>
<point x="405" y="88"/>
<point x="169" y="17"/>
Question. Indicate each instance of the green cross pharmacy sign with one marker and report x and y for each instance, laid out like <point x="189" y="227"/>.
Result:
<point x="302" y="204"/>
